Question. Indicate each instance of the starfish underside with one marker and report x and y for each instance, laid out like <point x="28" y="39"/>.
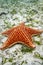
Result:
<point x="20" y="33"/>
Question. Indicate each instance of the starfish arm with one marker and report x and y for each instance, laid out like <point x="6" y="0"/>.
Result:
<point x="5" y="45"/>
<point x="22" y="24"/>
<point x="10" y="41"/>
<point x="7" y="32"/>
<point x="33" y="31"/>
<point x="30" y="37"/>
<point x="24" y="38"/>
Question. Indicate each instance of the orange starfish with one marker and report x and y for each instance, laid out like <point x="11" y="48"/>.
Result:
<point x="20" y="33"/>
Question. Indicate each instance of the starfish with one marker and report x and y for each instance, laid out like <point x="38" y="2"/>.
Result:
<point x="20" y="33"/>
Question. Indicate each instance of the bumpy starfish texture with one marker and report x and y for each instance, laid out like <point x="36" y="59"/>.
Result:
<point x="20" y="33"/>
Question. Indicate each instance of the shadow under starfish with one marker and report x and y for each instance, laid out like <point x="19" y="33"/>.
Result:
<point x="20" y="33"/>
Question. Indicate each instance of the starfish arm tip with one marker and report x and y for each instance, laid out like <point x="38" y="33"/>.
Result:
<point x="41" y="31"/>
<point x="33" y="46"/>
<point x="1" y="48"/>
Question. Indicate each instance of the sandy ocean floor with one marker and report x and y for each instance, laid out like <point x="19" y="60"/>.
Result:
<point x="13" y="12"/>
